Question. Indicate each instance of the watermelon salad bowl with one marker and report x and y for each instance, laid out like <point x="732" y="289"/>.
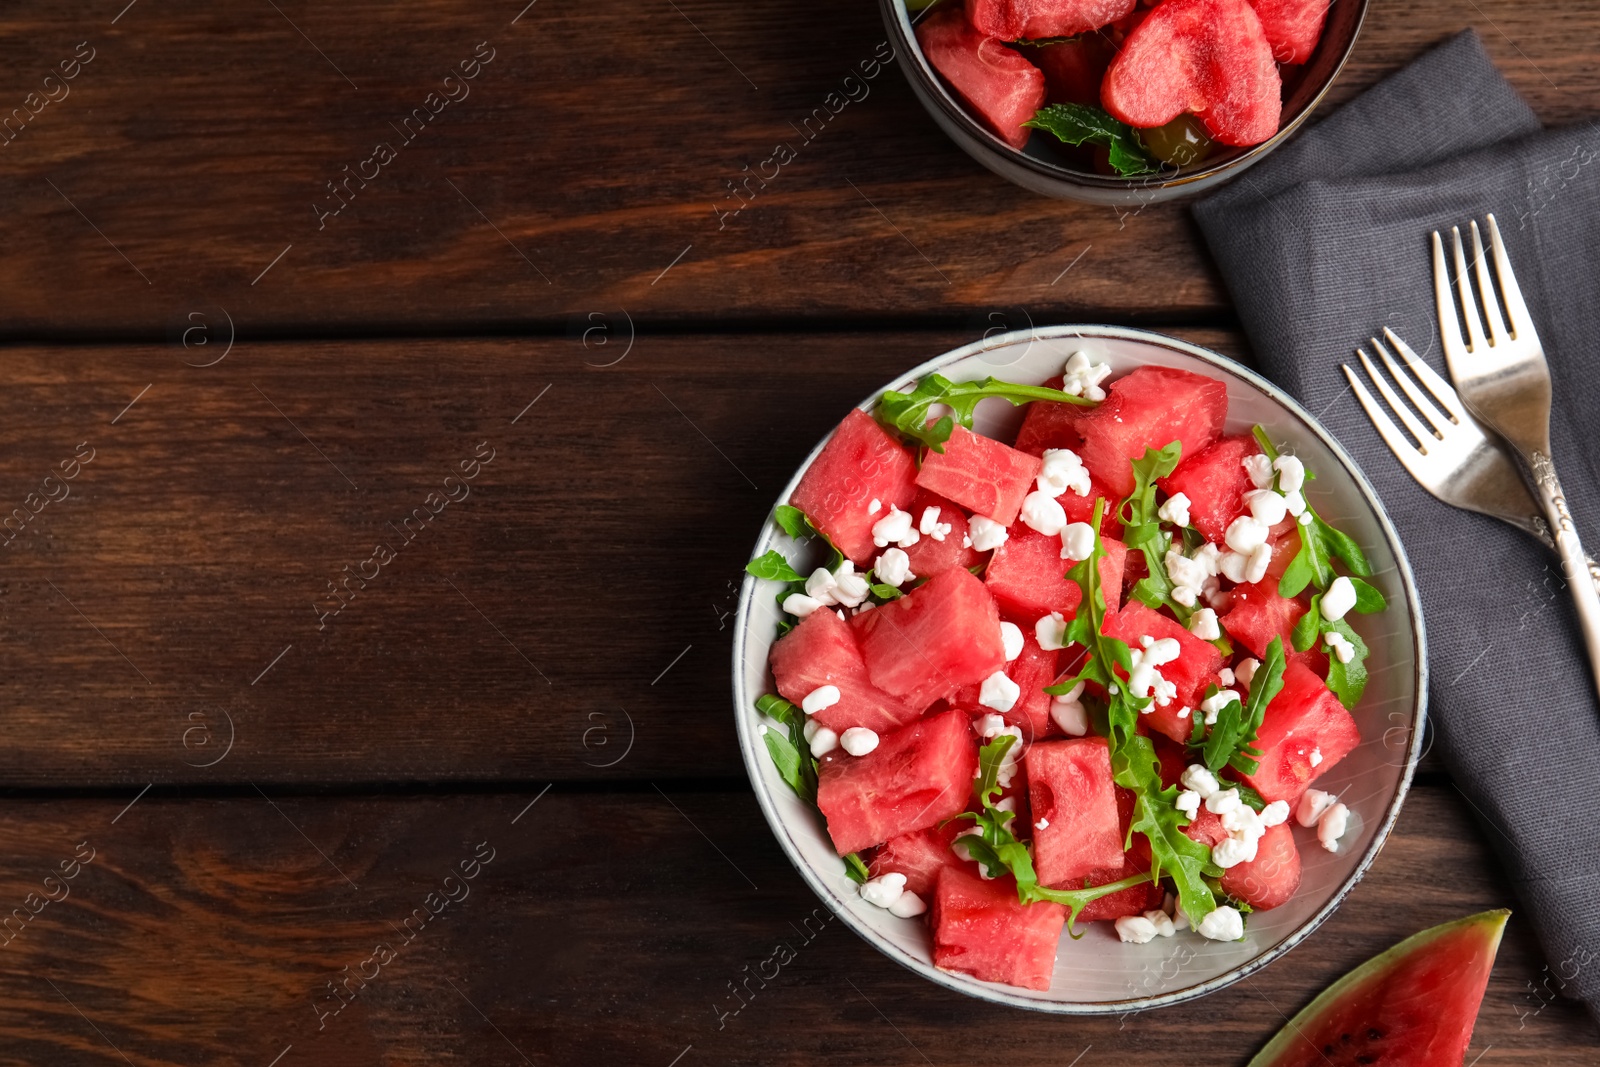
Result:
<point x="1121" y="101"/>
<point x="1079" y="669"/>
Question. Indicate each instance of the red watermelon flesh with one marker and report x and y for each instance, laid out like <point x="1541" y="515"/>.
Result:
<point x="998" y="83"/>
<point x="942" y="635"/>
<point x="1149" y="408"/>
<point x="1195" y="668"/>
<point x="1071" y="792"/>
<point x="1012" y="20"/>
<point x="985" y="476"/>
<point x="1258" y="614"/>
<point x="1414" y="1004"/>
<point x="1028" y="577"/>
<point x="1293" y="27"/>
<point x="1303" y="719"/>
<point x="1050" y="424"/>
<point x="929" y="557"/>
<point x="916" y="777"/>
<point x="1264" y="882"/>
<point x="980" y="928"/>
<point x="859" y="464"/>
<point x="1081" y="508"/>
<point x="1208" y="57"/>
<point x="1134" y="901"/>
<point x="1215" y="482"/>
<point x="1073" y="71"/>
<point x="822" y="651"/>
<point x="920" y="855"/>
<point x="1032" y="670"/>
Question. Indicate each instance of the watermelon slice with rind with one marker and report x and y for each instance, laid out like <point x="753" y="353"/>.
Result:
<point x="1412" y="1006"/>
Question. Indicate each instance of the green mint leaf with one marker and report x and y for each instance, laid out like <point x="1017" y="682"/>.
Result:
<point x="1079" y="124"/>
<point x="907" y="413"/>
<point x="1347" y="680"/>
<point x="886" y="592"/>
<point x="855" y="869"/>
<point x="793" y="521"/>
<point x="773" y="567"/>
<point x="1368" y="599"/>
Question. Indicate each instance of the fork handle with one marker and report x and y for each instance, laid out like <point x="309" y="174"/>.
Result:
<point x="1574" y="564"/>
<point x="1541" y="529"/>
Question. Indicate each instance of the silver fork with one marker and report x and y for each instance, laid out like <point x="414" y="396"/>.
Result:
<point x="1504" y="380"/>
<point x="1451" y="456"/>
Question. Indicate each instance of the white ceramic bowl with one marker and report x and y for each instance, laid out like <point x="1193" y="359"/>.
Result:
<point x="1098" y="974"/>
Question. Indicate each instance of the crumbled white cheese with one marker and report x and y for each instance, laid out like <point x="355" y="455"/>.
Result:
<point x="1291" y="473"/>
<point x="1275" y="814"/>
<point x="986" y="534"/>
<point x="930" y="525"/>
<point x="1011" y="640"/>
<point x="823" y="741"/>
<point x="1331" y="827"/>
<point x="1232" y="851"/>
<point x="820" y="586"/>
<point x="909" y="906"/>
<point x="1077" y="541"/>
<point x="1316" y="757"/>
<point x="874" y="507"/>
<point x="1159" y="653"/>
<point x="1212" y="705"/>
<point x="1259" y="469"/>
<point x="1260" y="559"/>
<point x="1339" y="599"/>
<point x="999" y="692"/>
<point x="1198" y="777"/>
<point x="1246" y="671"/>
<point x="893" y="567"/>
<point x="884" y="890"/>
<point x="1225" y="677"/>
<point x="1224" y="801"/>
<point x="1222" y="924"/>
<point x="1051" y="632"/>
<point x="895" y="529"/>
<point x="824" y="696"/>
<point x="1203" y="624"/>
<point x="1234" y="566"/>
<point x="1246" y="533"/>
<point x="1082" y="378"/>
<point x="1266" y="506"/>
<point x="1295" y="503"/>
<point x="1188" y="802"/>
<point x="1175" y="510"/>
<point x="1313" y="803"/>
<point x="1161" y="921"/>
<point x="1060" y="470"/>
<point x="1042" y="824"/>
<point x="800" y="604"/>
<point x="1340" y="648"/>
<point x="858" y="740"/>
<point x="1042" y="512"/>
<point x="850" y="588"/>
<point x="1185" y="571"/>
<point x="1069" y="713"/>
<point x="1135" y="929"/>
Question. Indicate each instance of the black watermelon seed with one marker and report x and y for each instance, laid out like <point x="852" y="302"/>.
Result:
<point x="1374" y="1034"/>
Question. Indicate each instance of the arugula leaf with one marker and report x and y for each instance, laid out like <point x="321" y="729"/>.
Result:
<point x="1142" y="529"/>
<point x="1231" y="741"/>
<point x="773" y="567"/>
<point x="855" y="869"/>
<point x="907" y="413"/>
<point x="1347" y="680"/>
<point x="1320" y="545"/>
<point x="1078" y="124"/>
<point x="1249" y="796"/>
<point x="791" y="754"/>
<point x="885" y="592"/>
<point x="1368" y="600"/>
<point x="793" y="521"/>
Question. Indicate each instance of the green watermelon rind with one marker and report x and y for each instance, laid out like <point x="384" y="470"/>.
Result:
<point x="1290" y="1041"/>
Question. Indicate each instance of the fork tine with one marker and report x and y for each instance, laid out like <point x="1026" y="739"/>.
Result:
<point x="1436" y="385"/>
<point x="1491" y="305"/>
<point x="1421" y="433"/>
<point x="1469" y="303"/>
<point x="1516" y="311"/>
<point x="1441" y="422"/>
<point x="1449" y="321"/>
<point x="1413" y="461"/>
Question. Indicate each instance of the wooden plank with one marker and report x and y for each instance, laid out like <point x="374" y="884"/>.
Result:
<point x="189" y="164"/>
<point x="208" y="931"/>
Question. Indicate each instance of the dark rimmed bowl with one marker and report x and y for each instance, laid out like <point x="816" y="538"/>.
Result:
<point x="1046" y="168"/>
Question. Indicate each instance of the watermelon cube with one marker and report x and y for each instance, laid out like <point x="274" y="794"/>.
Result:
<point x="1077" y="829"/>
<point x="822" y="651"/>
<point x="860" y="463"/>
<point x="1001" y="87"/>
<point x="1050" y="424"/>
<point x="1207" y="57"/>
<point x="1264" y="882"/>
<point x="1013" y="20"/>
<point x="920" y="855"/>
<point x="1258" y="614"/>
<point x="1032" y="670"/>
<point x="1293" y="27"/>
<point x="985" y="476"/>
<point x="1073" y="69"/>
<point x="1215" y="482"/>
<point x="928" y="556"/>
<point x="1081" y="508"/>
<point x="981" y="929"/>
<point x="1195" y="668"/>
<point x="917" y="776"/>
<point x="1028" y="577"/>
<point x="1304" y="733"/>
<point x="1149" y="408"/>
<point x="942" y="635"/>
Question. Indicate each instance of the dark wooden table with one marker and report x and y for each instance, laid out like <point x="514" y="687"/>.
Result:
<point x="526" y="713"/>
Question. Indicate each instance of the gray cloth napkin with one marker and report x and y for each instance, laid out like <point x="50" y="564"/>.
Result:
<point x="1324" y="244"/>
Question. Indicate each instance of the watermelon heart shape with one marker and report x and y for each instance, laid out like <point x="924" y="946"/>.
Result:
<point x="1209" y="57"/>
